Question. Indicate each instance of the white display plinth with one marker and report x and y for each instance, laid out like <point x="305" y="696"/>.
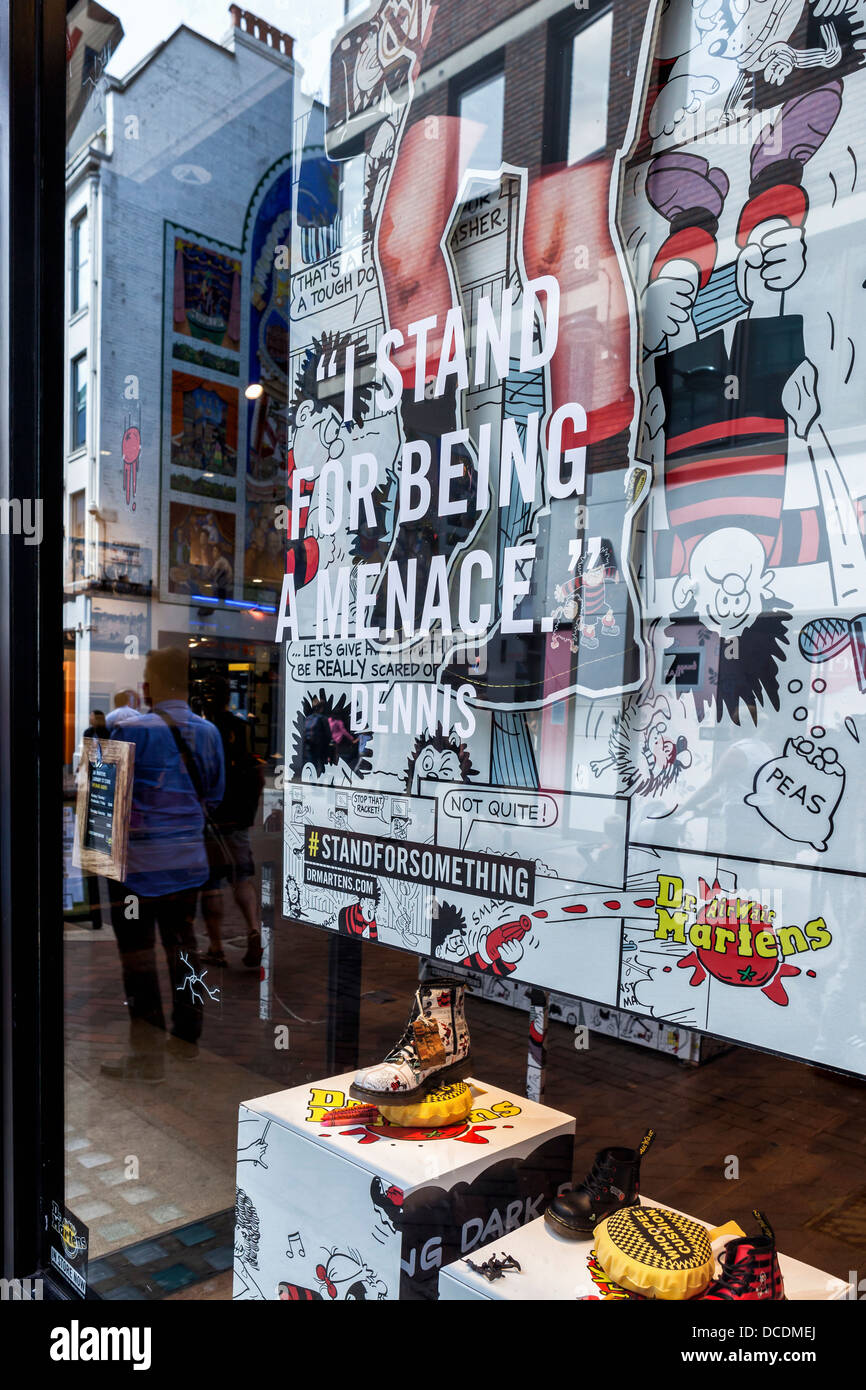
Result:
<point x="373" y="1212"/>
<point x="554" y="1267"/>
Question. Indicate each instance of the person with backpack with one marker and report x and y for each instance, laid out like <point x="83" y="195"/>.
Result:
<point x="231" y="861"/>
<point x="177" y="782"/>
<point x="317" y="737"/>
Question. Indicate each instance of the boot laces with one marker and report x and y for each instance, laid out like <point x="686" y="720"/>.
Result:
<point x="598" y="1178"/>
<point x="736" y="1276"/>
<point x="404" y="1049"/>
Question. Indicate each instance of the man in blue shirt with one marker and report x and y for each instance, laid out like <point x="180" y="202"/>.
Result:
<point x="178" y="770"/>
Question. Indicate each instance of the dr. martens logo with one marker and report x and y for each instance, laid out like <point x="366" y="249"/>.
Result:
<point x="735" y="939"/>
<point x="471" y="1130"/>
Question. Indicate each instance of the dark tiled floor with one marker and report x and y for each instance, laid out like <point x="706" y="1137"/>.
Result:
<point x="795" y="1135"/>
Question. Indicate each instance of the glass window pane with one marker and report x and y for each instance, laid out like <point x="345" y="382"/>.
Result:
<point x="80" y="262"/>
<point x="590" y="65"/>
<point x="79" y="402"/>
<point x="399" y="518"/>
<point x="482" y="110"/>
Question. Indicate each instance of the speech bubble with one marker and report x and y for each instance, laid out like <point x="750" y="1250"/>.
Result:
<point x="798" y="793"/>
<point x="519" y="809"/>
<point x="329" y="662"/>
<point x="370" y="804"/>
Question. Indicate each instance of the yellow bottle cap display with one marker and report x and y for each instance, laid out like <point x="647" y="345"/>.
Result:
<point x="443" y="1106"/>
<point x="655" y="1252"/>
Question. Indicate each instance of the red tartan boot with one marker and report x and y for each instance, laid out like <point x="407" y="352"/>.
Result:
<point x="749" y="1267"/>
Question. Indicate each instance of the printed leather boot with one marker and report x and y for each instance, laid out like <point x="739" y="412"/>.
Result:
<point x="749" y="1267"/>
<point x="433" y="1048"/>
<point x="612" y="1183"/>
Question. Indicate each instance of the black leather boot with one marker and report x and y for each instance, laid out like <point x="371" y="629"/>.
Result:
<point x="612" y="1183"/>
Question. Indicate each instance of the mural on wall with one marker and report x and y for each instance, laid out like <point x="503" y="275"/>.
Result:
<point x="204" y="435"/>
<point x="207" y="295"/>
<point x="582" y="575"/>
<point x="201" y="551"/>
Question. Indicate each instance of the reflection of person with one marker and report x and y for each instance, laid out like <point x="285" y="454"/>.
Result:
<point x="98" y="727"/>
<point x="177" y="772"/>
<point x="234" y="816"/>
<point x="266" y="555"/>
<point x="317" y="737"/>
<point x="345" y="745"/>
<point x="125" y="708"/>
<point x="220" y="573"/>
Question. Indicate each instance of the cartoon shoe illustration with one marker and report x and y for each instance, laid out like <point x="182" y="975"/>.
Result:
<point x="433" y="1048"/>
<point x="749" y="1267"/>
<point x="612" y="1184"/>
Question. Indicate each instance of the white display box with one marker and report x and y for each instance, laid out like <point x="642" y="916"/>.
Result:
<point x="554" y="1267"/>
<point x="374" y="1212"/>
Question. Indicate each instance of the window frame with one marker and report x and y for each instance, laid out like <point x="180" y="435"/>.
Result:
<point x="32" y="199"/>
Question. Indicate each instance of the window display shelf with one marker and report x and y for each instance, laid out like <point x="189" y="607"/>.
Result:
<point x="553" y="1267"/>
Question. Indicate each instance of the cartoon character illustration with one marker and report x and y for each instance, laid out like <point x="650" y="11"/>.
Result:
<point x="646" y="758"/>
<point x="254" y="1151"/>
<point x="346" y="1275"/>
<point x="296" y="1293"/>
<point x="358" y="919"/>
<point x="293" y="903"/>
<point x="717" y="61"/>
<point x="496" y="949"/>
<point x="404" y="891"/>
<point x="319" y="435"/>
<point x="387" y="1206"/>
<point x="439" y="757"/>
<point x="722" y="520"/>
<point x="311" y="763"/>
<point x="583" y="600"/>
<point x="247" y="1238"/>
<point x="130" y="451"/>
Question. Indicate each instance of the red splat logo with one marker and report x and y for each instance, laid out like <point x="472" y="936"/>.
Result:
<point x="734" y="939"/>
<point x="471" y="1130"/>
<point x="382" y="1129"/>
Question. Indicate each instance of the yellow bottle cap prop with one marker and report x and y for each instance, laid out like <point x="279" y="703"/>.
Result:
<point x="444" y="1106"/>
<point x="655" y="1252"/>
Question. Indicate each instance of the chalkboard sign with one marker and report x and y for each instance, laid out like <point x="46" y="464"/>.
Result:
<point x="99" y="821"/>
<point x="104" y="801"/>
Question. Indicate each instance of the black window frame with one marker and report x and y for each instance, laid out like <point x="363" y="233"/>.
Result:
<point x="32" y="314"/>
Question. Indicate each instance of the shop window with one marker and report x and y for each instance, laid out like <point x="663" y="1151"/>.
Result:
<point x="352" y="178"/>
<point x="481" y="108"/>
<point x="78" y="423"/>
<point x="581" y="64"/>
<point x="80" y="261"/>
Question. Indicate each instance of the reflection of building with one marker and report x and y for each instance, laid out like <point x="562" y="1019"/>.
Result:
<point x="177" y="202"/>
